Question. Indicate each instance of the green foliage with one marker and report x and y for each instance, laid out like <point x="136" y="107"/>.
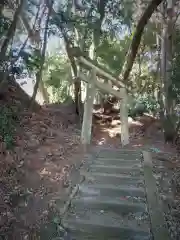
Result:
<point x="8" y="120"/>
<point x="149" y="37"/>
<point x="149" y="102"/>
<point x="32" y="60"/>
<point x="111" y="53"/>
<point x="142" y="104"/>
<point x="4" y="25"/>
<point x="175" y="91"/>
<point x="57" y="76"/>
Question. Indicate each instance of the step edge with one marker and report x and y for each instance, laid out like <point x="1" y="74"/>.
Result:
<point x="100" y="174"/>
<point x="126" y="227"/>
<point x="113" y="202"/>
<point x="111" y="187"/>
<point x="116" y="167"/>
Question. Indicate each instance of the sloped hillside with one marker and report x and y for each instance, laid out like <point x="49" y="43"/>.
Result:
<point x="36" y="152"/>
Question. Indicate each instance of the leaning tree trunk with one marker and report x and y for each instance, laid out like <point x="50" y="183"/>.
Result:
<point x="11" y="30"/>
<point x="71" y="9"/>
<point x="34" y="37"/>
<point x="127" y="67"/>
<point x="8" y="39"/>
<point x="43" y="53"/>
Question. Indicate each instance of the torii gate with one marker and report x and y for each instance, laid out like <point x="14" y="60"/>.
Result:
<point x="92" y="84"/>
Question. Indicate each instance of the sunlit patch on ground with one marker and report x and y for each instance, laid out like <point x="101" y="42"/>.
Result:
<point x="137" y="145"/>
<point x="102" y="141"/>
<point x="109" y="132"/>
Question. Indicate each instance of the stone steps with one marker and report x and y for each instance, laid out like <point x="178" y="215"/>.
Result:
<point x="123" y="154"/>
<point x="82" y="234"/>
<point x="133" y="171"/>
<point x="105" y="224"/>
<point x="115" y="179"/>
<point x="118" y="205"/>
<point x="110" y="190"/>
<point x="119" y="162"/>
<point x="110" y="203"/>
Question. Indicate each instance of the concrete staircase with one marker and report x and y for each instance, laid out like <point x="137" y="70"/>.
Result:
<point x="111" y="202"/>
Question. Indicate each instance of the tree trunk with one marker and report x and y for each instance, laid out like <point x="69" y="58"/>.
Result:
<point x="34" y="37"/>
<point x="11" y="30"/>
<point x="2" y="7"/>
<point x="166" y="73"/>
<point x="43" y="53"/>
<point x="163" y="73"/>
<point x="137" y="38"/>
<point x="170" y="10"/>
<point x="5" y="45"/>
<point x="88" y="106"/>
<point x="44" y="92"/>
<point x="77" y="96"/>
<point x="77" y="82"/>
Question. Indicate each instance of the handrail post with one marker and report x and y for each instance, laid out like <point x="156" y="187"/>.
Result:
<point x="124" y="117"/>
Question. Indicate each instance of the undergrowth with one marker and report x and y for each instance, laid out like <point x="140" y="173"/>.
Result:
<point x="8" y="122"/>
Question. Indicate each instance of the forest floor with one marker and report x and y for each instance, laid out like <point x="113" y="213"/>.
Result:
<point x="38" y="170"/>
